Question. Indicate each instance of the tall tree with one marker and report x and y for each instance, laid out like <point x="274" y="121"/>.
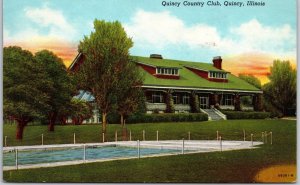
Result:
<point x="129" y="91"/>
<point x="25" y="87"/>
<point x="62" y="90"/>
<point x="281" y="90"/>
<point x="104" y="51"/>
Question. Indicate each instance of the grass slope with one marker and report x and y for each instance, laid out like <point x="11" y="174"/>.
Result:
<point x="230" y="166"/>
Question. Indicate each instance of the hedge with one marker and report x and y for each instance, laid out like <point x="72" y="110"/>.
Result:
<point x="167" y="117"/>
<point x="246" y="115"/>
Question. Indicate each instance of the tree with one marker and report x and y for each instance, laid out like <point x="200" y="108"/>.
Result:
<point x="129" y="91"/>
<point x="80" y="110"/>
<point x="62" y="90"/>
<point x="104" y="51"/>
<point x="169" y="102"/>
<point x="247" y="100"/>
<point x="281" y="90"/>
<point x="251" y="80"/>
<point x="194" y="103"/>
<point x="25" y="87"/>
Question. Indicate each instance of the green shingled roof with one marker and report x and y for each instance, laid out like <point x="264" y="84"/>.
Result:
<point x="188" y="78"/>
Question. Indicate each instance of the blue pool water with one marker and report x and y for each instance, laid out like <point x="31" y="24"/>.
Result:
<point x="71" y="154"/>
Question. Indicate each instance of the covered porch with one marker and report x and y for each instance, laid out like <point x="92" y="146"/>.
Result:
<point x="182" y="99"/>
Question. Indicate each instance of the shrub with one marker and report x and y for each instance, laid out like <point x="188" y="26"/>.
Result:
<point x="166" y="117"/>
<point x="195" y="103"/>
<point x="246" y="114"/>
<point x="169" y="103"/>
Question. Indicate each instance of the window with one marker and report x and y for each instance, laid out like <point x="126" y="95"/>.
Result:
<point x="167" y="71"/>
<point x="186" y="99"/>
<point x="220" y="75"/>
<point x="157" y="97"/>
<point x="227" y="99"/>
<point x="176" y="99"/>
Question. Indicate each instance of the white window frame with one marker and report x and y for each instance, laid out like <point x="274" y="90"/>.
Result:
<point x="176" y="99"/>
<point x="157" y="94"/>
<point x="217" y="75"/>
<point x="186" y="99"/>
<point x="228" y="99"/>
<point x="167" y="71"/>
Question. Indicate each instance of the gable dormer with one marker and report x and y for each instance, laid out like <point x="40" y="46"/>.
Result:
<point x="160" y="71"/>
<point x="215" y="74"/>
<point x="167" y="72"/>
<point x="211" y="75"/>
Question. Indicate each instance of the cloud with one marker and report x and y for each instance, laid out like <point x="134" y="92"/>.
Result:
<point x="52" y="19"/>
<point x="47" y="29"/>
<point x="254" y="36"/>
<point x="160" y="29"/>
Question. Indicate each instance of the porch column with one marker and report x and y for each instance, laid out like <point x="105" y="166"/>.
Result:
<point x="237" y="102"/>
<point x="257" y="102"/>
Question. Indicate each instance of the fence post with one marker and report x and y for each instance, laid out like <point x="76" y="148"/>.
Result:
<point x="103" y="137"/>
<point x="217" y="135"/>
<point x="182" y="151"/>
<point x="189" y="135"/>
<point x="116" y="136"/>
<point x="251" y="139"/>
<point x="16" y="151"/>
<point x="5" y="139"/>
<point x="143" y="135"/>
<point x="84" y="151"/>
<point x="262" y="137"/>
<point x="244" y="134"/>
<point x="74" y="138"/>
<point x="220" y="138"/>
<point x="271" y="138"/>
<point x="42" y="139"/>
<point x="266" y="137"/>
<point x="157" y="135"/>
<point x="138" y="146"/>
<point x="130" y="135"/>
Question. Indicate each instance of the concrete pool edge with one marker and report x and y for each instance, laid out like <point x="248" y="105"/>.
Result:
<point x="144" y="144"/>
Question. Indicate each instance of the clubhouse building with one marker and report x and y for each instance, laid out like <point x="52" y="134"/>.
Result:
<point x="213" y="86"/>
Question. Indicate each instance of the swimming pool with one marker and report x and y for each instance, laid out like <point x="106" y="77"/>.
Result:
<point x="71" y="154"/>
<point x="26" y="157"/>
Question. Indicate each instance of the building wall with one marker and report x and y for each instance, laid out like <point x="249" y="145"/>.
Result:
<point x="203" y="74"/>
<point x="149" y="69"/>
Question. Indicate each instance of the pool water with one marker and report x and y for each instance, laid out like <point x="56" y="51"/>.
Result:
<point x="71" y="154"/>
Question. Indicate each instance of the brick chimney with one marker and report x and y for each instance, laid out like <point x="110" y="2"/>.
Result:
<point x="217" y="62"/>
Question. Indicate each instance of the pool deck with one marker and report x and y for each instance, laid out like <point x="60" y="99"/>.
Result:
<point x="186" y="147"/>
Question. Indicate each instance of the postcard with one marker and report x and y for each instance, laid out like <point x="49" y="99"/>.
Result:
<point x="162" y="91"/>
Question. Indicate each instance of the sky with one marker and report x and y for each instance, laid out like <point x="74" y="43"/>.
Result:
<point x="248" y="38"/>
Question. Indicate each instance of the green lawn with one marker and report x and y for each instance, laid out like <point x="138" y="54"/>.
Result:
<point x="230" y="166"/>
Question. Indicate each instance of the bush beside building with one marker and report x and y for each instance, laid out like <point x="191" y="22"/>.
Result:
<point x="246" y="114"/>
<point x="167" y="117"/>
